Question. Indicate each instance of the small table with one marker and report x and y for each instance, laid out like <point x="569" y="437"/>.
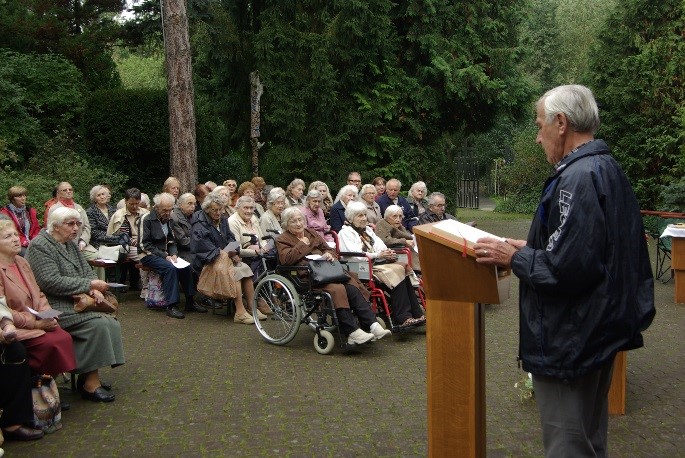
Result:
<point x="677" y="235"/>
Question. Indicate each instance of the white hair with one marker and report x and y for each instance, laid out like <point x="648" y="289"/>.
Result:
<point x="164" y="197"/>
<point x="345" y="189"/>
<point x="353" y="209"/>
<point x="183" y="198"/>
<point x="59" y="215"/>
<point x="95" y="190"/>
<point x="288" y="214"/>
<point x="576" y="102"/>
<point x="393" y="210"/>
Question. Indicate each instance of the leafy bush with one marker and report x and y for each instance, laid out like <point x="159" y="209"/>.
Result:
<point x="673" y="197"/>
<point x="524" y="177"/>
<point x="129" y="128"/>
<point x="20" y="133"/>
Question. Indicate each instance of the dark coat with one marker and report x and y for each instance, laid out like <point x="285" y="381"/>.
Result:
<point x="337" y="216"/>
<point x="182" y="227"/>
<point x="206" y="242"/>
<point x="98" y="226"/>
<point x="154" y="241"/>
<point x="586" y="286"/>
<point x="409" y="220"/>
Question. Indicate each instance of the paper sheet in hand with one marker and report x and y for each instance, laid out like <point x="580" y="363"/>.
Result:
<point x="461" y="233"/>
<point x="45" y="314"/>
<point x="314" y="257"/>
<point x="181" y="263"/>
<point x="106" y="261"/>
<point x="232" y="246"/>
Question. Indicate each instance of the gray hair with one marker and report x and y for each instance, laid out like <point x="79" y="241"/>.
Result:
<point x="274" y="195"/>
<point x="95" y="190"/>
<point x="431" y="197"/>
<point x="59" y="215"/>
<point x="244" y="200"/>
<point x="368" y="187"/>
<point x="393" y="210"/>
<point x="316" y="184"/>
<point x="212" y="198"/>
<point x="576" y="102"/>
<point x="393" y="180"/>
<point x="291" y="186"/>
<point x="183" y="198"/>
<point x="217" y="191"/>
<point x="313" y="194"/>
<point x="418" y="185"/>
<point x="345" y="189"/>
<point x="288" y="214"/>
<point x="145" y="200"/>
<point x="353" y="209"/>
<point x="163" y="197"/>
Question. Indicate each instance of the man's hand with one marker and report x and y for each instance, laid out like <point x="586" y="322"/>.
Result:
<point x="496" y="252"/>
<point x="171" y="259"/>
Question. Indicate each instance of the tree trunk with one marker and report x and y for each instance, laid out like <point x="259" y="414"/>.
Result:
<point x="181" y="94"/>
<point x="256" y="90"/>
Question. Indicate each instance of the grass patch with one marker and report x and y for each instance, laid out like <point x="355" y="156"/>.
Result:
<point x="468" y="214"/>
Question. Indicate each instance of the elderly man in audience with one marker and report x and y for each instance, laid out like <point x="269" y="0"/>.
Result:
<point x="23" y="216"/>
<point x="354" y="179"/>
<point x="347" y="194"/>
<point x="392" y="196"/>
<point x="160" y="254"/>
<point x="368" y="197"/>
<point x="314" y="216"/>
<point x="65" y="195"/>
<point x="180" y="217"/>
<point x="270" y="222"/>
<point x="128" y="220"/>
<point x="436" y="209"/>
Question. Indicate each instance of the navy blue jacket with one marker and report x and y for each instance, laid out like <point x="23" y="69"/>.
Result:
<point x="586" y="287"/>
<point x="206" y="241"/>
<point x="337" y="216"/>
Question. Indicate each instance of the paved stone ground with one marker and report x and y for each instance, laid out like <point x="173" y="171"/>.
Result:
<point x="207" y="386"/>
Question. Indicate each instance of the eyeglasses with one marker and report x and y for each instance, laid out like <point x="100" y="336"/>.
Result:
<point x="73" y="223"/>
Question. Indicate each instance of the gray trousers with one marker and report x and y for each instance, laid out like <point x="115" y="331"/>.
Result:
<point x="574" y="414"/>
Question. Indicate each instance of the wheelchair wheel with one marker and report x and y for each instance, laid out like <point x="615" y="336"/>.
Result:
<point x="324" y="342"/>
<point x="282" y="298"/>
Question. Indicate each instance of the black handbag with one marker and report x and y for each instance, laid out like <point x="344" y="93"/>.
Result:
<point x="323" y="272"/>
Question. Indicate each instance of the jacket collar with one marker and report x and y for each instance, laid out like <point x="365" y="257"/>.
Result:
<point x="11" y="276"/>
<point x="62" y="249"/>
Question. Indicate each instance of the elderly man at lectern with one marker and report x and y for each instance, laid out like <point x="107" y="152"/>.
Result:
<point x="586" y="287"/>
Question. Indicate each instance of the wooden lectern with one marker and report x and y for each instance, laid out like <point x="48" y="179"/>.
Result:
<point x="456" y="287"/>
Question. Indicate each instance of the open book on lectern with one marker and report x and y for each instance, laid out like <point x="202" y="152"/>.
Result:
<point x="462" y="233"/>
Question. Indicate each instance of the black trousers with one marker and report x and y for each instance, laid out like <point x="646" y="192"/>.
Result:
<point x="403" y="302"/>
<point x="360" y="307"/>
<point x="15" y="386"/>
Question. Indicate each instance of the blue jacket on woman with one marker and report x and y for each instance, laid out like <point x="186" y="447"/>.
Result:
<point x="206" y="242"/>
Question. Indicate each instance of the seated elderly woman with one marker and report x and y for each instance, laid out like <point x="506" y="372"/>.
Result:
<point x="417" y="198"/>
<point x="99" y="214"/>
<point x="49" y="347"/>
<point x="391" y="231"/>
<point x="23" y="216"/>
<point x="359" y="237"/>
<point x="232" y="187"/>
<point x="368" y="197"/>
<point x="16" y="403"/>
<point x="172" y="186"/>
<point x="259" y="184"/>
<point x="296" y="242"/>
<point x="346" y="194"/>
<point x="225" y="192"/>
<point x="245" y="227"/>
<point x="294" y="193"/>
<point x="209" y="236"/>
<point x="181" y="216"/>
<point x="61" y="272"/>
<point x="326" y="199"/>
<point x="270" y="222"/>
<point x="314" y="215"/>
<point x="247" y="188"/>
<point x="65" y="199"/>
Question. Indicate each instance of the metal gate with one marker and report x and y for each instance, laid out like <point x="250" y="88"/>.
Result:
<point x="467" y="178"/>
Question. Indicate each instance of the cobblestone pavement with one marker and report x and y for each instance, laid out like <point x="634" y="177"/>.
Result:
<point x="207" y="386"/>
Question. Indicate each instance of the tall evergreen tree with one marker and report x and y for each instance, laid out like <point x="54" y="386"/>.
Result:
<point x="638" y="74"/>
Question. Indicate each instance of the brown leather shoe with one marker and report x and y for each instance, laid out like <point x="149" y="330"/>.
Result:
<point x="23" y="433"/>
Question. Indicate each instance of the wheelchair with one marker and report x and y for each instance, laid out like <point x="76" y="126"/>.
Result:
<point x="294" y="302"/>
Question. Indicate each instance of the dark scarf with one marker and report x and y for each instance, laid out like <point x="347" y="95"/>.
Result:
<point x="367" y="241"/>
<point x="22" y="218"/>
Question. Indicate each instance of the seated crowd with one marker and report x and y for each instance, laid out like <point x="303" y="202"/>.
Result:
<point x="162" y="250"/>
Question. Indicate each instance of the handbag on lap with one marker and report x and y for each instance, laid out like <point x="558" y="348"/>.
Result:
<point x="217" y="279"/>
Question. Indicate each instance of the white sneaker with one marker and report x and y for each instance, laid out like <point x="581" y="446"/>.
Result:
<point x="378" y="331"/>
<point x="359" y="337"/>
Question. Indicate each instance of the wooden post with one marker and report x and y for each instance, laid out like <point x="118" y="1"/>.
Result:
<point x="617" y="391"/>
<point x="678" y="265"/>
